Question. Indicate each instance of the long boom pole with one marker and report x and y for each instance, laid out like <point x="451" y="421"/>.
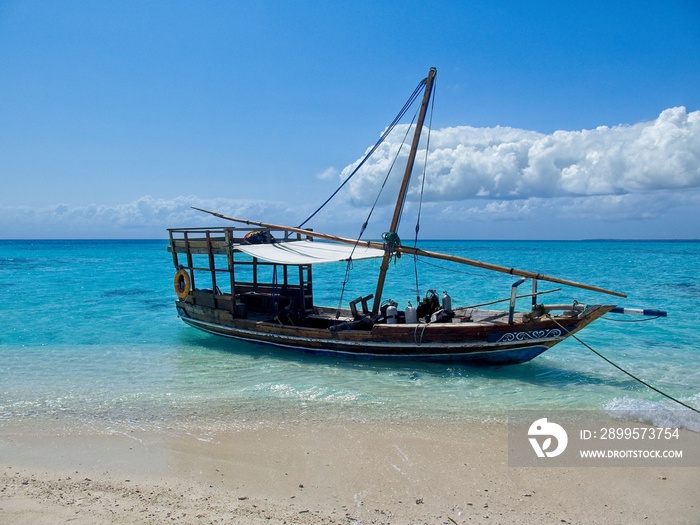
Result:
<point x="418" y="251"/>
<point x="429" y="81"/>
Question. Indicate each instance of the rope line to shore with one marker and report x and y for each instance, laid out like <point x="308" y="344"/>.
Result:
<point x="628" y="373"/>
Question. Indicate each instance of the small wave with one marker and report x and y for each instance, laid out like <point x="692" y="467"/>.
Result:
<point x="659" y="413"/>
<point x="313" y="393"/>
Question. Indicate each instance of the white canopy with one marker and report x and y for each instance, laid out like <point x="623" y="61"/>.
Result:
<point x="308" y="252"/>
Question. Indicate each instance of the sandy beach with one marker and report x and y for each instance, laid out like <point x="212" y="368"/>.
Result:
<point x="319" y="472"/>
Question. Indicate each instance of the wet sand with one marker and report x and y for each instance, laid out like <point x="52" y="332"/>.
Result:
<point x="317" y="472"/>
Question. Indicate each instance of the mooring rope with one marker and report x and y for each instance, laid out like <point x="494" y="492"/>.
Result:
<point x="625" y="371"/>
<point x="633" y="320"/>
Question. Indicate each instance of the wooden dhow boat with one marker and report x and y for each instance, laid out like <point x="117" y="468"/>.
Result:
<point x="254" y="282"/>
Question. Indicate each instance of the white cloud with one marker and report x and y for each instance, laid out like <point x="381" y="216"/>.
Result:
<point x="506" y="163"/>
<point x="659" y="214"/>
<point x="329" y="173"/>
<point x="146" y="217"/>
<point x="641" y="180"/>
<point x="628" y="207"/>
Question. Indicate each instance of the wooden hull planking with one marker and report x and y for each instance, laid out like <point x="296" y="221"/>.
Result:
<point x="466" y="342"/>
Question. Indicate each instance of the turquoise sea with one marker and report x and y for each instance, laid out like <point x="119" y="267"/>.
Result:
<point x="89" y="333"/>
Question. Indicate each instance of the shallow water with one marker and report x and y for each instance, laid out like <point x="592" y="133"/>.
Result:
<point x="90" y="333"/>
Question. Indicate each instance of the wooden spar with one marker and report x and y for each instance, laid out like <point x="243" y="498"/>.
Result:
<point x="429" y="81"/>
<point x="292" y="229"/>
<point x="504" y="269"/>
<point x="418" y="251"/>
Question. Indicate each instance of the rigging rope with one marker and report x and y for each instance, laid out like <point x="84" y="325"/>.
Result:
<point x="386" y="177"/>
<point x="626" y="372"/>
<point x="383" y="137"/>
<point x="392" y="238"/>
<point x="392" y="241"/>
<point x="422" y="189"/>
<point x="369" y="216"/>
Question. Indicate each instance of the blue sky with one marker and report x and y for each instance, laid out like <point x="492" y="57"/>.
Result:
<point x="554" y="120"/>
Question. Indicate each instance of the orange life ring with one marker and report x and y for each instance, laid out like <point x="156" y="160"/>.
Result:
<point x="182" y="283"/>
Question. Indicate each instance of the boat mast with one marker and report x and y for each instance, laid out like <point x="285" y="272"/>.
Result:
<point x="429" y="81"/>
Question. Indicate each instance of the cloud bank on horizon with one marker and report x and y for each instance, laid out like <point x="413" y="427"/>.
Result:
<point x="627" y="172"/>
<point x="503" y="164"/>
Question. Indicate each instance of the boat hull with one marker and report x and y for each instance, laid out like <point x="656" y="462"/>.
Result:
<point x="479" y="343"/>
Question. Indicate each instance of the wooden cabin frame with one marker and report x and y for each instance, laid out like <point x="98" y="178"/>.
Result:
<point x="252" y="287"/>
